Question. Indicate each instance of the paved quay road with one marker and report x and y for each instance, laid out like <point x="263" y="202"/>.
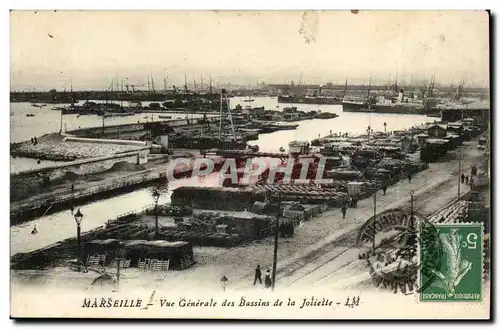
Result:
<point x="320" y="248"/>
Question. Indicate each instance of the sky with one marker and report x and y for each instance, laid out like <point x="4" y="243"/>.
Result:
<point x="49" y="49"/>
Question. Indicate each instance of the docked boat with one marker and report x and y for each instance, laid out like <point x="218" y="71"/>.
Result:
<point x="163" y="117"/>
<point x="357" y="106"/>
<point x="319" y="100"/>
<point x="249" y="99"/>
<point x="30" y="115"/>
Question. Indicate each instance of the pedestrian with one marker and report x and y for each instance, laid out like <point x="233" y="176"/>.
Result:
<point x="72" y="188"/>
<point x="344" y="210"/>
<point x="466" y="180"/>
<point x="409" y="177"/>
<point x="258" y="275"/>
<point x="462" y="178"/>
<point x="267" y="279"/>
<point x="384" y="188"/>
<point x="471" y="182"/>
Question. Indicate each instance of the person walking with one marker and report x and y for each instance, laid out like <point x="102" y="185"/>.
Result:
<point x="267" y="279"/>
<point x="466" y="180"/>
<point x="462" y="178"/>
<point x="258" y="275"/>
<point x="384" y="188"/>
<point x="344" y="210"/>
<point x="409" y="177"/>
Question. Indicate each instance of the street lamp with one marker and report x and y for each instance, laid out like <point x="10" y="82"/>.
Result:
<point x="224" y="281"/>
<point x="156" y="196"/>
<point x="78" y="219"/>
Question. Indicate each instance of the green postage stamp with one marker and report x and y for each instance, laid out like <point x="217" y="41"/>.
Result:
<point x="453" y="269"/>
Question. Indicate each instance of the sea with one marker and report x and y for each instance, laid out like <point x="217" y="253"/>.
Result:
<point x="58" y="226"/>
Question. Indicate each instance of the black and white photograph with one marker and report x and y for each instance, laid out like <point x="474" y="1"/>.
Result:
<point x="274" y="164"/>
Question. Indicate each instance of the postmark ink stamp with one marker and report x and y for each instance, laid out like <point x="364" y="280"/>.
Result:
<point x="389" y="243"/>
<point x="458" y="276"/>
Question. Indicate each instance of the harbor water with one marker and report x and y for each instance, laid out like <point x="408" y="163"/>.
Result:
<point x="61" y="225"/>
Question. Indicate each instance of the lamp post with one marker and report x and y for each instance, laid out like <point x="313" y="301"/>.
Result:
<point x="224" y="281"/>
<point x="156" y="196"/>
<point x="78" y="219"/>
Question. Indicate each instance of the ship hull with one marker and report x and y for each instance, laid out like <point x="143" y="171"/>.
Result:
<point x="306" y="100"/>
<point x="377" y="108"/>
<point x="357" y="107"/>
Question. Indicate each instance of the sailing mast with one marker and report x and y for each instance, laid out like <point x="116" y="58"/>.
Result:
<point x="368" y="94"/>
<point x="201" y="82"/>
<point x="185" y="83"/>
<point x="345" y="88"/>
<point x="164" y="82"/>
<point x="210" y="83"/>
<point x="152" y="83"/>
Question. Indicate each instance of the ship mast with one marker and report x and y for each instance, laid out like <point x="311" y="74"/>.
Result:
<point x="369" y="87"/>
<point x="345" y="88"/>
<point x="164" y="82"/>
<point x="185" y="83"/>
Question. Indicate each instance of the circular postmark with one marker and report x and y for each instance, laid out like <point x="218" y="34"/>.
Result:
<point x="398" y="248"/>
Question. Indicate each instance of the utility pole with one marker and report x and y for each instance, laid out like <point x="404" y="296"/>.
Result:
<point x="118" y="260"/>
<point x="412" y="220"/>
<point x="459" y="171"/>
<point x="374" y="214"/>
<point x="276" y="236"/>
<point x="103" y="116"/>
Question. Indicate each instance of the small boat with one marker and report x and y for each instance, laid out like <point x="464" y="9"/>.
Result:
<point x="39" y="106"/>
<point x="249" y="99"/>
<point x="30" y="115"/>
<point x="165" y="116"/>
<point x="282" y="150"/>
